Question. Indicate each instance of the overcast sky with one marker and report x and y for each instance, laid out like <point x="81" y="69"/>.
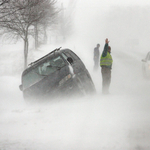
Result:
<point x="107" y="3"/>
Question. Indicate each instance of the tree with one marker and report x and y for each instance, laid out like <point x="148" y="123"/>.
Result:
<point x="50" y="15"/>
<point x="2" y="2"/>
<point x="66" y="19"/>
<point x="17" y="17"/>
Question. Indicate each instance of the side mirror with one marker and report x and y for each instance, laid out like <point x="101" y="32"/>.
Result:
<point x="70" y="60"/>
<point x="21" y="87"/>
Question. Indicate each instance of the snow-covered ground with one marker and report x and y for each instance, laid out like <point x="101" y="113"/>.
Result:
<point x="119" y="121"/>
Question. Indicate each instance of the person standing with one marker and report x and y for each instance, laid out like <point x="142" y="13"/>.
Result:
<point x="106" y="66"/>
<point x="96" y="56"/>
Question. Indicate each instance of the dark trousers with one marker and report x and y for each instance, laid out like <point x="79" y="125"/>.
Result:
<point x="96" y="64"/>
<point x="106" y="79"/>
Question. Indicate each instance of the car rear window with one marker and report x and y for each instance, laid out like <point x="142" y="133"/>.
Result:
<point x="40" y="71"/>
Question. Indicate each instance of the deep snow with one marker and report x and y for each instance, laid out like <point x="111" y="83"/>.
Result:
<point x="119" y="121"/>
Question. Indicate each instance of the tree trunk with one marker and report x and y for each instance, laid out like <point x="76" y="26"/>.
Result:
<point x="26" y="44"/>
<point x="45" y="35"/>
<point x="36" y="36"/>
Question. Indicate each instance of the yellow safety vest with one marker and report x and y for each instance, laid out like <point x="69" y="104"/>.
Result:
<point x="106" y="61"/>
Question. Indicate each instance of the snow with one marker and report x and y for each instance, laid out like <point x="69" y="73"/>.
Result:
<point x="119" y="121"/>
<point x="116" y="121"/>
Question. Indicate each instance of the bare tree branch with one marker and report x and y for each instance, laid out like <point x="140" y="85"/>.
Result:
<point x="17" y="16"/>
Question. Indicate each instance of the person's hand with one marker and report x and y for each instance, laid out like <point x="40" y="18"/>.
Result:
<point x="106" y="41"/>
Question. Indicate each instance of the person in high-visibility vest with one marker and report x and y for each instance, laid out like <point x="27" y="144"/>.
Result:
<point x="106" y="66"/>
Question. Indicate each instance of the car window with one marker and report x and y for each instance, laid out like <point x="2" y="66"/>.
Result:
<point x="64" y="56"/>
<point x="44" y="69"/>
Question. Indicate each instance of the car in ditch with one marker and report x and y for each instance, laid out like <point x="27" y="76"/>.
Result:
<point x="146" y="66"/>
<point x="59" y="73"/>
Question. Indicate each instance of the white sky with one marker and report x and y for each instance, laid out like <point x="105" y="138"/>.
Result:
<point x="107" y="3"/>
<point x="89" y="17"/>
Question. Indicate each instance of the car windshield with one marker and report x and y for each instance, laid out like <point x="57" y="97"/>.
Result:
<point x="44" y="69"/>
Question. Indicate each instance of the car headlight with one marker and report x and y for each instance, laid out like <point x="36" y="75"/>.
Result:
<point x="62" y="81"/>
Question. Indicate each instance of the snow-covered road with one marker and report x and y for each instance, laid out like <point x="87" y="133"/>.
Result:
<point x="119" y="121"/>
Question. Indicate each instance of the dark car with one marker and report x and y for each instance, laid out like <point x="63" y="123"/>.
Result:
<point x="146" y="66"/>
<point x="59" y="73"/>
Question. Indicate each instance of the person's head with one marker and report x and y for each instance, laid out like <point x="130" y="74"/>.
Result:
<point x="109" y="49"/>
<point x="98" y="45"/>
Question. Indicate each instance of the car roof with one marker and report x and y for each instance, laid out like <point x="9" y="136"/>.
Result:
<point x="38" y="61"/>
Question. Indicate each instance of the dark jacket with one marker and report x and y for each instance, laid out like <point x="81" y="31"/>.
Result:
<point x="96" y="53"/>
